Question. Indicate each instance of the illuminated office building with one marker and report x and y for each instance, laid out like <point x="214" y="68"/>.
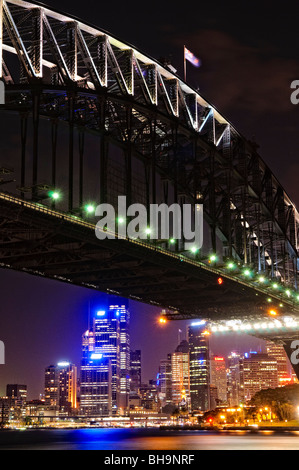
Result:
<point x="180" y="373"/>
<point x="235" y="379"/>
<point x="17" y="394"/>
<point x="67" y="386"/>
<point x="51" y="388"/>
<point x="260" y="372"/>
<point x="219" y="378"/>
<point x="284" y="369"/>
<point x="105" y="366"/>
<point x="135" y="371"/>
<point x="165" y="381"/>
<point x="61" y="387"/>
<point x="199" y="350"/>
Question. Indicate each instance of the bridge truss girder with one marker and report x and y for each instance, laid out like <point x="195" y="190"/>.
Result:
<point x="74" y="73"/>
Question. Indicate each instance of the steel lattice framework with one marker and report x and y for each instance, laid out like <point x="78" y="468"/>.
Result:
<point x="56" y="67"/>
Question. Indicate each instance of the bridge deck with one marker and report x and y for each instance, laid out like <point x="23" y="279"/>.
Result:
<point x="38" y="240"/>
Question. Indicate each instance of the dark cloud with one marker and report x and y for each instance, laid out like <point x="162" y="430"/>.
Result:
<point x="239" y="76"/>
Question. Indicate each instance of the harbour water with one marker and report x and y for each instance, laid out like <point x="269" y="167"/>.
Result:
<point x="146" y="439"/>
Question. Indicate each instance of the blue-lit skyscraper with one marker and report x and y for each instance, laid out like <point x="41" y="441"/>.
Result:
<point x="105" y="368"/>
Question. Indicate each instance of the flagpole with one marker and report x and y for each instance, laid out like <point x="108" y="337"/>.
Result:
<point x="184" y="63"/>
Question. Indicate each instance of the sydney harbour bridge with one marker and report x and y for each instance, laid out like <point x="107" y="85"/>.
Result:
<point x="88" y="117"/>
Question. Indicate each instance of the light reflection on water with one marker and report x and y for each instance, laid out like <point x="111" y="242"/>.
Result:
<point x="148" y="439"/>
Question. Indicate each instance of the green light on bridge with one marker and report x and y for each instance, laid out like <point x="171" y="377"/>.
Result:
<point x="55" y="195"/>
<point x="89" y="208"/>
<point x="231" y="265"/>
<point x="247" y="272"/>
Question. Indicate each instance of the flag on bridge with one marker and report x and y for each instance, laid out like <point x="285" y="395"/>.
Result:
<point x="191" y="57"/>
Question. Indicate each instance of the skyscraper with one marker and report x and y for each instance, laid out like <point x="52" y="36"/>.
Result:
<point x="198" y="338"/>
<point x="235" y="379"/>
<point x="51" y="388"/>
<point x="284" y="369"/>
<point x="105" y="367"/>
<point x="17" y="394"/>
<point x="219" y="377"/>
<point x="61" y="387"/>
<point x="67" y="386"/>
<point x="135" y="370"/>
<point x="180" y="373"/>
<point x="260" y="372"/>
<point x="165" y="381"/>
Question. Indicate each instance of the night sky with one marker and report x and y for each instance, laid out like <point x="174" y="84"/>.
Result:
<point x="249" y="55"/>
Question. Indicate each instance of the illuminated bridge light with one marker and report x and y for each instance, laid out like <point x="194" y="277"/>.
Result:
<point x="213" y="258"/>
<point x="194" y="249"/>
<point x="288" y="292"/>
<point x="198" y="323"/>
<point x="55" y="195"/>
<point x="121" y="220"/>
<point x="247" y="328"/>
<point x="172" y="241"/>
<point x="247" y="272"/>
<point x="262" y="279"/>
<point x="89" y="208"/>
<point x="231" y="265"/>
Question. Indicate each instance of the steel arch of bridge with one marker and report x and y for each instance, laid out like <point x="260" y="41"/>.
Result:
<point x="69" y="71"/>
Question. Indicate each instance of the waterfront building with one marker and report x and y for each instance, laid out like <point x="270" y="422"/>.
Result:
<point x="219" y="378"/>
<point x="149" y="393"/>
<point x="135" y="371"/>
<point x="180" y="374"/>
<point x="199" y="350"/>
<point x="284" y="369"/>
<point x="235" y="379"/>
<point x="17" y="394"/>
<point x="260" y="372"/>
<point x="105" y="365"/>
<point x="61" y="387"/>
<point x="165" y="381"/>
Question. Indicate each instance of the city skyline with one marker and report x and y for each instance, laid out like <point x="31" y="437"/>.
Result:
<point x="192" y="377"/>
<point x="168" y="105"/>
<point x="65" y="332"/>
<point x="221" y="46"/>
